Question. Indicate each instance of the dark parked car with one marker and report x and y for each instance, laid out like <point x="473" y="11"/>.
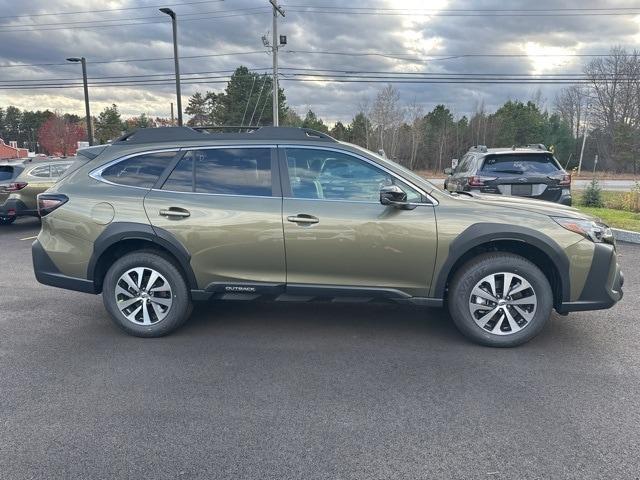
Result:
<point x="524" y="172"/>
<point x="9" y="171"/>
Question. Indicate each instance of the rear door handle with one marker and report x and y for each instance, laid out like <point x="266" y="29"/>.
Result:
<point x="175" y="212"/>
<point x="303" y="218"/>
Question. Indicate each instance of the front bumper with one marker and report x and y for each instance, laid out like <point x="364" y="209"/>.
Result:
<point x="48" y="274"/>
<point x="603" y="287"/>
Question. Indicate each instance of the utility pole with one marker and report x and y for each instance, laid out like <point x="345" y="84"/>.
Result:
<point x="83" y="62"/>
<point x="584" y="138"/>
<point x="174" y="24"/>
<point x="274" y="49"/>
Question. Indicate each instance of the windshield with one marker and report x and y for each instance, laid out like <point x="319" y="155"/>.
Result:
<point x="543" y="164"/>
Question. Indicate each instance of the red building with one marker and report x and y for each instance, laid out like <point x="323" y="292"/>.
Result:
<point x="12" y="151"/>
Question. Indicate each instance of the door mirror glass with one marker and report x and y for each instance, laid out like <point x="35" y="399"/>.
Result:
<point x="448" y="171"/>
<point x="393" y="195"/>
<point x="454" y="163"/>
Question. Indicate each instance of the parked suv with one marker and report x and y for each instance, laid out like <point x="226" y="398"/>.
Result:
<point x="20" y="195"/>
<point x="525" y="172"/>
<point x="166" y="216"/>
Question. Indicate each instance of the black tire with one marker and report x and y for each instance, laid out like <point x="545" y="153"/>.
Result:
<point x="7" y="220"/>
<point x="466" y="278"/>
<point x="179" y="310"/>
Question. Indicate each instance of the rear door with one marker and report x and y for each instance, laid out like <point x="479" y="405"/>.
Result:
<point x="338" y="235"/>
<point x="224" y="205"/>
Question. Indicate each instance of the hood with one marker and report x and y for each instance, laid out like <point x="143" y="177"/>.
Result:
<point x="529" y="205"/>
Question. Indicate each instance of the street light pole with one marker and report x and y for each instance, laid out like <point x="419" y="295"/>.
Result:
<point x="174" y="22"/>
<point x="83" y="61"/>
<point x="274" y="48"/>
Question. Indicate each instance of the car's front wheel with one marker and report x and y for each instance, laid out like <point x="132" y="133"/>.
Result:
<point x="500" y="299"/>
<point x="146" y="295"/>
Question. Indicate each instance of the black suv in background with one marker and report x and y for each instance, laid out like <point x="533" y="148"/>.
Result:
<point x="530" y="171"/>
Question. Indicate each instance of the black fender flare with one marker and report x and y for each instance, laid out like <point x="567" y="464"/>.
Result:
<point x="119" y="231"/>
<point x="481" y="233"/>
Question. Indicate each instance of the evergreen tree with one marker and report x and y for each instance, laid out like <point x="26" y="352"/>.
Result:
<point x="109" y="125"/>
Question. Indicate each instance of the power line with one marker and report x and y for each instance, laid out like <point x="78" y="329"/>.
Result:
<point x="131" y="60"/>
<point x="92" y="22"/>
<point x="159" y="20"/>
<point x="444" y="13"/>
<point x="552" y="9"/>
<point x="78" y="12"/>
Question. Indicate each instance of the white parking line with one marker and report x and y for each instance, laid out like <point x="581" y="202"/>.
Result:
<point x="30" y="238"/>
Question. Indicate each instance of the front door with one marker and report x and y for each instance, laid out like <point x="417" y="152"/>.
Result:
<point x="225" y="206"/>
<point x="337" y="234"/>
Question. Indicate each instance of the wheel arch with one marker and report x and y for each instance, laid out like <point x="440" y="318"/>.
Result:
<point x="124" y="237"/>
<point x="541" y="249"/>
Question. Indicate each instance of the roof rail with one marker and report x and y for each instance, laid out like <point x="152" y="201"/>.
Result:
<point x="478" y="148"/>
<point x="178" y="134"/>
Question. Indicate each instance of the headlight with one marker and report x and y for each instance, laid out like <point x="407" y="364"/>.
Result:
<point x="594" y="231"/>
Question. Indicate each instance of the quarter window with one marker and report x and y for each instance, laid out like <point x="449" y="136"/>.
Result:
<point x="140" y="171"/>
<point x="329" y="175"/>
<point x="58" y="170"/>
<point x="223" y="171"/>
<point x="41" y="172"/>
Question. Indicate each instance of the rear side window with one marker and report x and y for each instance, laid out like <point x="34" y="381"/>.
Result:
<point x="58" y="170"/>
<point x="41" y="172"/>
<point x="223" y="171"/>
<point x="521" y="164"/>
<point x="6" y="173"/>
<point x="140" y="171"/>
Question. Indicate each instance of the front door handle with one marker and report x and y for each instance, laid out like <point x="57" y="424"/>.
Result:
<point x="303" y="218"/>
<point x="175" y="212"/>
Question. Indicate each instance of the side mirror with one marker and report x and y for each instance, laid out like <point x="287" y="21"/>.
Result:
<point x="393" y="195"/>
<point x="454" y="163"/>
<point x="448" y="171"/>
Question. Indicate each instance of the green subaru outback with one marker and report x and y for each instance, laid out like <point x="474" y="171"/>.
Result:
<point x="163" y="217"/>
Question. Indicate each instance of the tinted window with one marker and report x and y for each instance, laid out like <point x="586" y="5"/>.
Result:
<point x="181" y="178"/>
<point x="520" y="164"/>
<point x="141" y="171"/>
<point x="6" y="173"/>
<point x="224" y="171"/>
<point x="58" y="170"/>
<point x="41" y="172"/>
<point x="324" y="174"/>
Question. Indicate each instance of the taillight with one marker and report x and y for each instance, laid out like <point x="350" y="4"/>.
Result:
<point x="48" y="202"/>
<point x="476" y="181"/>
<point x="565" y="181"/>
<point x="15" y="186"/>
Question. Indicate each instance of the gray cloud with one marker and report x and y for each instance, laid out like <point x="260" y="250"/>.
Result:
<point x="418" y="36"/>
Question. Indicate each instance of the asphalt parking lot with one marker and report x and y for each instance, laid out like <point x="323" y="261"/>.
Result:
<point x="283" y="390"/>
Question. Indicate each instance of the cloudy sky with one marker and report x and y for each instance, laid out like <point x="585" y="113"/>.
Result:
<point x="441" y="36"/>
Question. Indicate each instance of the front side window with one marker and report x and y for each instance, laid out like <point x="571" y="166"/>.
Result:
<point x="139" y="171"/>
<point x="223" y="171"/>
<point x="329" y="175"/>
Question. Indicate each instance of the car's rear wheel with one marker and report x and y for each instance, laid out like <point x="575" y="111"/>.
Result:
<point x="146" y="295"/>
<point x="500" y="299"/>
<point x="7" y="220"/>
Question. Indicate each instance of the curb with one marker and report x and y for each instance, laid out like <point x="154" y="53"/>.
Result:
<point x="626" y="235"/>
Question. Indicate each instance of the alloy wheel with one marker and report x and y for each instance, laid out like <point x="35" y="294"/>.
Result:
<point x="503" y="303"/>
<point x="143" y="296"/>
